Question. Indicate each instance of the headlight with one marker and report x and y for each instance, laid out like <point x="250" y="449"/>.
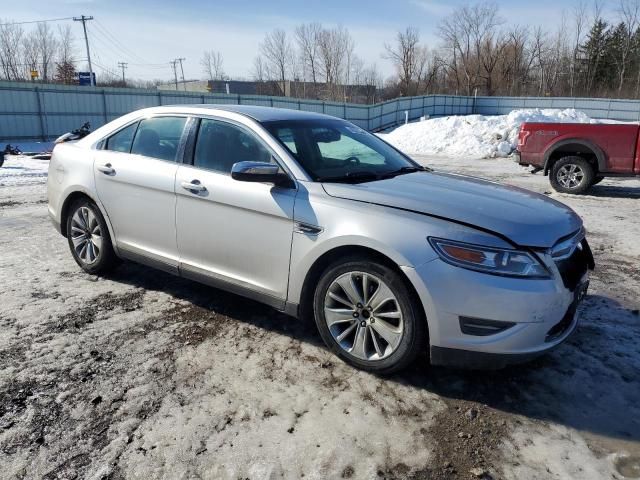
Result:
<point x="497" y="261"/>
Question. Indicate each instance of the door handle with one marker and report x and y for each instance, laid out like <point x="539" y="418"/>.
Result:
<point x="193" y="186"/>
<point x="107" y="169"/>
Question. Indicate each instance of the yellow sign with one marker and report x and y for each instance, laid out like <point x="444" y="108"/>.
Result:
<point x="34" y="74"/>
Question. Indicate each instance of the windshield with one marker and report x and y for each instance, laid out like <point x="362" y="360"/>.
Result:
<point x="334" y="150"/>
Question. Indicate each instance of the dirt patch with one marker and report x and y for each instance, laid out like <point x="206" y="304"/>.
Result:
<point x="467" y="438"/>
<point x="101" y="305"/>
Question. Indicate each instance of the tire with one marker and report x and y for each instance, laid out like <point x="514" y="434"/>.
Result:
<point x="572" y="175"/>
<point x="400" y="318"/>
<point x="597" y="180"/>
<point x="94" y="255"/>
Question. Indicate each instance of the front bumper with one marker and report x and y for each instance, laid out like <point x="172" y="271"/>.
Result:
<point x="538" y="314"/>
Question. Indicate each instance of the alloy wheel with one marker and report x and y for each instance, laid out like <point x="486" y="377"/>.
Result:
<point x="570" y="175"/>
<point x="363" y="316"/>
<point x="86" y="235"/>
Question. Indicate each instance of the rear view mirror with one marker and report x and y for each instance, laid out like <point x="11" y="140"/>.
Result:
<point x="261" y="172"/>
<point x="326" y="135"/>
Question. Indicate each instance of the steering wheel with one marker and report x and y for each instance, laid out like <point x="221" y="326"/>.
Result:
<point x="354" y="160"/>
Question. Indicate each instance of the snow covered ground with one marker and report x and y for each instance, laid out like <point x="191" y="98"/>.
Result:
<point x="475" y="135"/>
<point x="142" y="375"/>
<point x="23" y="170"/>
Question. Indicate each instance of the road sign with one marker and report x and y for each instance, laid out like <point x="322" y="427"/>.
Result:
<point x="34" y="74"/>
<point x="84" y="78"/>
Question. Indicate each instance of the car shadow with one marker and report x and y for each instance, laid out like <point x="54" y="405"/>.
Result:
<point x="613" y="191"/>
<point x="589" y="383"/>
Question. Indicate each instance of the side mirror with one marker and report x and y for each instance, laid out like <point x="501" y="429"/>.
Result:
<point x="261" y="172"/>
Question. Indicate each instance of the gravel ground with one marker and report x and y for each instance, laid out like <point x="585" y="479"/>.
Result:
<point x="143" y="375"/>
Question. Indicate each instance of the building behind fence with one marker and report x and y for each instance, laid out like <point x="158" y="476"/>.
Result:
<point x="42" y="112"/>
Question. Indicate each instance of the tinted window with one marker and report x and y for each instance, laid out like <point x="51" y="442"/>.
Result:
<point x="219" y="145"/>
<point x="159" y="137"/>
<point x="121" y="141"/>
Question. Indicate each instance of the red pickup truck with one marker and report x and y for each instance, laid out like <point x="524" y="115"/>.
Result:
<point x="576" y="156"/>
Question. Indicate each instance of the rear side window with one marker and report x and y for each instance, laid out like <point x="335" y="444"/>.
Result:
<point x="219" y="145"/>
<point x="159" y="137"/>
<point x="121" y="141"/>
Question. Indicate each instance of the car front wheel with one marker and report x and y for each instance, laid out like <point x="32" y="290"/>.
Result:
<point x="572" y="175"/>
<point x="367" y="315"/>
<point x="89" y="239"/>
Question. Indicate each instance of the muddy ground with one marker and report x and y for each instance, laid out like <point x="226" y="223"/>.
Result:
<point x="143" y="375"/>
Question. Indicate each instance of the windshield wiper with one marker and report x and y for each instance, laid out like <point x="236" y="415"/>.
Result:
<point x="352" y="177"/>
<point x="404" y="170"/>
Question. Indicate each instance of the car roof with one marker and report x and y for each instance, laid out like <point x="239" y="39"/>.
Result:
<point x="258" y="113"/>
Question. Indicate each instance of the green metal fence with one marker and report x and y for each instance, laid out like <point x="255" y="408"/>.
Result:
<point x="41" y="112"/>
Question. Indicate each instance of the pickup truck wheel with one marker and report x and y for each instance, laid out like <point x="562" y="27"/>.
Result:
<point x="367" y="315"/>
<point x="572" y="175"/>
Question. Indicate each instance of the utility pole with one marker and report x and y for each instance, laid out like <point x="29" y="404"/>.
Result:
<point x="84" y="21"/>
<point x="175" y="71"/>
<point x="184" y="86"/>
<point x="123" y="65"/>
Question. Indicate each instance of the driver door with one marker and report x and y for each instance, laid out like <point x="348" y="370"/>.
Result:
<point x="232" y="234"/>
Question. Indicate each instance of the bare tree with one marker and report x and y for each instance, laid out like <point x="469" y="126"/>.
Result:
<point x="467" y="32"/>
<point x="211" y="63"/>
<point x="278" y="55"/>
<point x="308" y="40"/>
<point x="629" y="13"/>
<point x="259" y="72"/>
<point x="10" y="45"/>
<point x="65" y="66"/>
<point x="30" y="54"/>
<point x="404" y="55"/>
<point x="47" y="46"/>
<point x="335" y="45"/>
<point x="579" y="23"/>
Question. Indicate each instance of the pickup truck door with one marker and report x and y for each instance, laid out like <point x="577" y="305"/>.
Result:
<point x="232" y="234"/>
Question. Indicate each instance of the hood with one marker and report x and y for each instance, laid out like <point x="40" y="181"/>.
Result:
<point x="526" y="218"/>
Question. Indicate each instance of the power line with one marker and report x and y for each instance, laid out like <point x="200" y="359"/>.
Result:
<point x="117" y="44"/>
<point x="37" y="21"/>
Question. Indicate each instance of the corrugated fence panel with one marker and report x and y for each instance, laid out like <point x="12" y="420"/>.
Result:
<point x="30" y="111"/>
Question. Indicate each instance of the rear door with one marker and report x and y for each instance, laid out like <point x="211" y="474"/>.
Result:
<point x="235" y="234"/>
<point x="135" y="174"/>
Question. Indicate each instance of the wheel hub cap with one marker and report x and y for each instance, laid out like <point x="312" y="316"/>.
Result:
<point x="86" y="235"/>
<point x="570" y="175"/>
<point x="363" y="316"/>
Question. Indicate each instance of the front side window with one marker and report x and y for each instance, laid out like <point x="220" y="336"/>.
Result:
<point x="220" y="144"/>
<point x="121" y="141"/>
<point x="159" y="137"/>
<point x="334" y="150"/>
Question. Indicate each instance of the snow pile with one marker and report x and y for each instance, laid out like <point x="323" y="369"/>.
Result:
<point x="475" y="135"/>
<point x="23" y="170"/>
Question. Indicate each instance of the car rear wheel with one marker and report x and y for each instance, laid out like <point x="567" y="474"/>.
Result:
<point x="89" y="239"/>
<point x="572" y="175"/>
<point x="367" y="315"/>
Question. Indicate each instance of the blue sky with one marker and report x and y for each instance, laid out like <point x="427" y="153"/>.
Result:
<point x="154" y="32"/>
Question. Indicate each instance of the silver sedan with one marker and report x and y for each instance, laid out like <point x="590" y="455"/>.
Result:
<point x="321" y="219"/>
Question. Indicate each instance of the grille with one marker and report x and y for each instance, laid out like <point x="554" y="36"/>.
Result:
<point x="573" y="268"/>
